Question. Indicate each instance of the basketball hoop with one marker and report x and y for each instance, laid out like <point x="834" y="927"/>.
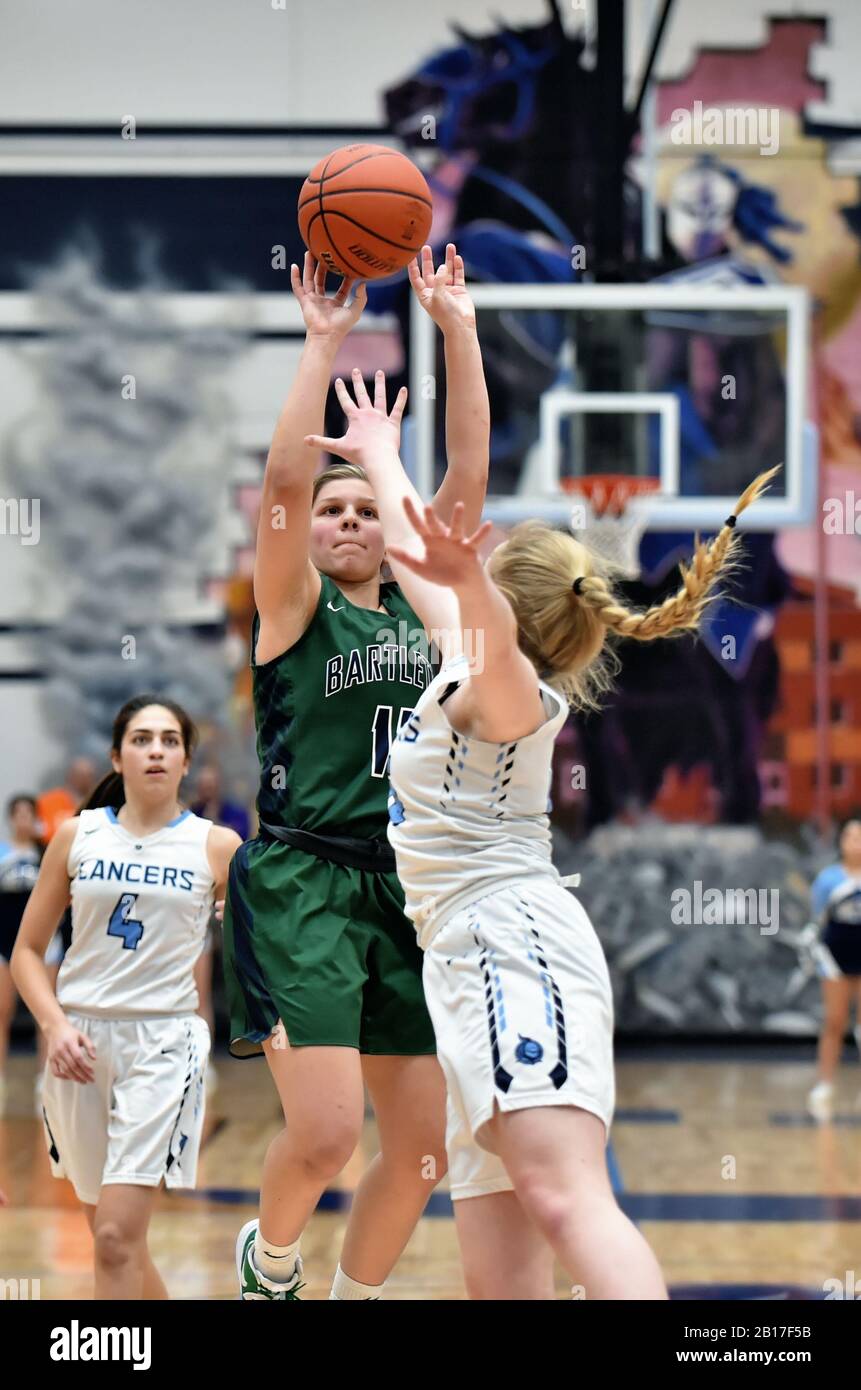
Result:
<point x="611" y="515"/>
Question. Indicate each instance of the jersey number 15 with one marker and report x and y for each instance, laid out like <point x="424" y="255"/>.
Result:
<point x="381" y="737"/>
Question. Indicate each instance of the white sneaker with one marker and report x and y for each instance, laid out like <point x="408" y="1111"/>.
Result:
<point x="819" y="1101"/>
<point x="255" y="1286"/>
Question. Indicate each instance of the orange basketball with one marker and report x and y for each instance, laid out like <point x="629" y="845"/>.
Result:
<point x="364" y="211"/>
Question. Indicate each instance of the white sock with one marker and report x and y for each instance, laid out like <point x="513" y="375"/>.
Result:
<point x="277" y="1262"/>
<point x="345" y="1289"/>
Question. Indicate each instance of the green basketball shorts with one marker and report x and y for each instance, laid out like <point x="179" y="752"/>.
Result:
<point x="324" y="948"/>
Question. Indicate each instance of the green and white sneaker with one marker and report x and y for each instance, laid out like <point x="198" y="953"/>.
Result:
<point x="253" y="1284"/>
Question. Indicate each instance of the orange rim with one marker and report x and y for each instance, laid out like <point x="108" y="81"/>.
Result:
<point x="609" y="491"/>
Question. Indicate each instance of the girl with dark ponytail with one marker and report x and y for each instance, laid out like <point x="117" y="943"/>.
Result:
<point x="123" y="1098"/>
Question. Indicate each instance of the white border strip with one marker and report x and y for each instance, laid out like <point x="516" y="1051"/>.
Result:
<point x="21" y="311"/>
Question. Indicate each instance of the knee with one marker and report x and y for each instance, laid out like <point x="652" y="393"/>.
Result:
<point x="835" y="1026"/>
<point x="114" y="1247"/>
<point x="326" y="1153"/>
<point x="411" y="1164"/>
<point x="550" y="1209"/>
<point x="433" y="1166"/>
<point x="438" y="1163"/>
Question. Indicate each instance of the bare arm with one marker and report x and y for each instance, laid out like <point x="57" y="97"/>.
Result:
<point x="67" y="1048"/>
<point x="504" y="701"/>
<point x="45" y="907"/>
<point x="285" y="581"/>
<point x="440" y="571"/>
<point x="221" y="845"/>
<point x="445" y="297"/>
<point x="372" y="440"/>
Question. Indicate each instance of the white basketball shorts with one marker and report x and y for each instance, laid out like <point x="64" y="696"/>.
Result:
<point x="140" y="1120"/>
<point x="519" y="994"/>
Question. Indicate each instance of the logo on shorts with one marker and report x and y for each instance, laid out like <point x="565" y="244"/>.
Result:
<point x="528" y="1051"/>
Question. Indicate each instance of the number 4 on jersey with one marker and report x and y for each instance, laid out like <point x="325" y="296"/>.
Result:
<point x="122" y="925"/>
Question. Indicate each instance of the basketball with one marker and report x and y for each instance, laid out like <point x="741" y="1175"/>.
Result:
<point x="365" y="211"/>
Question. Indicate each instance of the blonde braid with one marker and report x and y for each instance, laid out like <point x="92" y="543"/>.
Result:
<point x="682" y="610"/>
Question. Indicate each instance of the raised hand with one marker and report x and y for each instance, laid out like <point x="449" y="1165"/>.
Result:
<point x="450" y="557"/>
<point x="442" y="293"/>
<point x="326" y="317"/>
<point x="370" y="428"/>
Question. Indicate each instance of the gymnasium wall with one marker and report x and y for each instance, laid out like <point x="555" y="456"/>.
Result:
<point x="255" y="62"/>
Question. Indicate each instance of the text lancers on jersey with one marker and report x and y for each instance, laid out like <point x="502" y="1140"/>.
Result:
<point x="155" y="875"/>
<point x="382" y="662"/>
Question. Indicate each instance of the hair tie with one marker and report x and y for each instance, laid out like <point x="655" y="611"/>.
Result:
<point x="730" y="521"/>
<point x="577" y="586"/>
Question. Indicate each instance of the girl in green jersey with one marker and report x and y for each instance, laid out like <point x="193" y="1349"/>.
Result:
<point x="322" y="967"/>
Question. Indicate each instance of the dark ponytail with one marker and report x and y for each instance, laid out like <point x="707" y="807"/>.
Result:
<point x="111" y="790"/>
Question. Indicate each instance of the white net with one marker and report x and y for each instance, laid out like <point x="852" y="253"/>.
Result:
<point x="611" y="522"/>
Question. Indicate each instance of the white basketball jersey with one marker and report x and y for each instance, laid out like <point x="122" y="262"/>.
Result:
<point x="467" y="816"/>
<point x="140" y="909"/>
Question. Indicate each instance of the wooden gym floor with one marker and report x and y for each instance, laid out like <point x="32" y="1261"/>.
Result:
<point x="739" y="1193"/>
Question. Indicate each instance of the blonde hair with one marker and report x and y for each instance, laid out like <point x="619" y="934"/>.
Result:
<point x="335" y="471"/>
<point x="564" y="630"/>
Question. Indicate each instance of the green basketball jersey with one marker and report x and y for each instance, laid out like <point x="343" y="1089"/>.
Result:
<point x="328" y="709"/>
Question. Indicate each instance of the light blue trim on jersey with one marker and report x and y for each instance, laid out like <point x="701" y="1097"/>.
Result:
<point x="112" y="816"/>
<point x="824" y="885"/>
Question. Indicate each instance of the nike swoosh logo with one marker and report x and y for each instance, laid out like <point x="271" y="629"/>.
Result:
<point x="91" y="832"/>
<point x="333" y="608"/>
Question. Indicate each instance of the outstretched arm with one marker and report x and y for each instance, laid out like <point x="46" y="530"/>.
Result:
<point x="504" y="697"/>
<point x="440" y="571"/>
<point x="285" y="581"/>
<point x="443" y="295"/>
<point x="372" y="441"/>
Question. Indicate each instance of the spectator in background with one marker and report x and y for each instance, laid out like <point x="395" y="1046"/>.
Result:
<point x="59" y="803"/>
<point x="20" y="858"/>
<point x="836" y="898"/>
<point x="209" y="804"/>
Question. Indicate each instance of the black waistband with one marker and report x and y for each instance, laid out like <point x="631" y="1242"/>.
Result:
<point x="375" y="855"/>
